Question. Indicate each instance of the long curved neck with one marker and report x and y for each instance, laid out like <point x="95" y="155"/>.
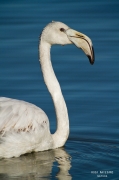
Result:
<point x="62" y="132"/>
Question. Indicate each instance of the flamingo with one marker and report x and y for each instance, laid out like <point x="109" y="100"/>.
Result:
<point x="24" y="127"/>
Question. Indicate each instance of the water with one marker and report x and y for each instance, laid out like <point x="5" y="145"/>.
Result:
<point x="91" y="92"/>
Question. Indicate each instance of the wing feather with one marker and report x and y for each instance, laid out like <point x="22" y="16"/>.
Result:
<point x="18" y="116"/>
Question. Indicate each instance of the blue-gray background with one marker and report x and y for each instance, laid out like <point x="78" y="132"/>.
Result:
<point x="91" y="92"/>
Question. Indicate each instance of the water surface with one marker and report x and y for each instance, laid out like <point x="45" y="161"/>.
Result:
<point x="91" y="92"/>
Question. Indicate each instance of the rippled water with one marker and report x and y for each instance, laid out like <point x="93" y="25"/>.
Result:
<point x="91" y="92"/>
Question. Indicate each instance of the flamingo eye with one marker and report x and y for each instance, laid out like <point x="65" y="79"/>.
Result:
<point x="62" y="29"/>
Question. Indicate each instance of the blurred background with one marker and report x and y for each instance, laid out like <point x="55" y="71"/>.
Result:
<point x="91" y="92"/>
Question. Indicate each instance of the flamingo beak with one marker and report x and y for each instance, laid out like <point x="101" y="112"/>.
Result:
<point x="82" y="41"/>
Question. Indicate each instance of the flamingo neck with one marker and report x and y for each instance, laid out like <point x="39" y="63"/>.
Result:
<point x="62" y="131"/>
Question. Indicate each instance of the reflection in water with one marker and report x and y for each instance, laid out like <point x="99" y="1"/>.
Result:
<point x="37" y="165"/>
<point x="64" y="164"/>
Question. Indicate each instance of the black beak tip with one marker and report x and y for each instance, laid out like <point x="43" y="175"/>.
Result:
<point x="92" y="59"/>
